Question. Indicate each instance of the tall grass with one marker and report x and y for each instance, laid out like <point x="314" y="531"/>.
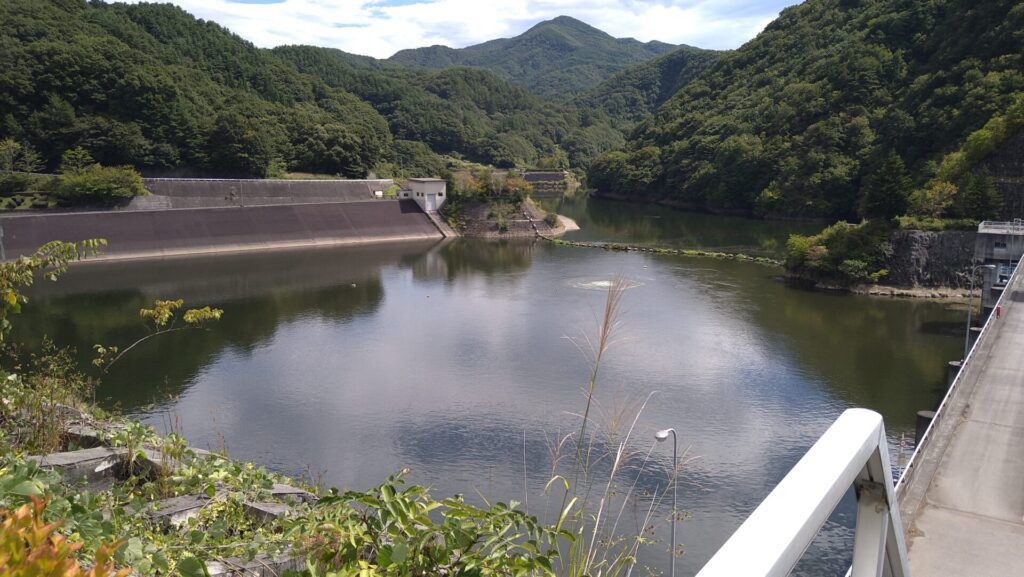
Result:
<point x="602" y="485"/>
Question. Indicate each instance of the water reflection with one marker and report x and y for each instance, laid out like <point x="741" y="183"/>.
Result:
<point x="610" y="220"/>
<point x="453" y="360"/>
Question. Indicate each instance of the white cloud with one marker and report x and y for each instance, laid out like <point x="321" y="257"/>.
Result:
<point x="381" y="27"/>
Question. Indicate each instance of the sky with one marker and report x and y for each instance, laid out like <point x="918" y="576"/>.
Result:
<point x="380" y="28"/>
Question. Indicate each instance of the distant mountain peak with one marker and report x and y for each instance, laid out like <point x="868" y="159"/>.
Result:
<point x="559" y="57"/>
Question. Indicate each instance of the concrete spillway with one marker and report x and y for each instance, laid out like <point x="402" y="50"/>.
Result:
<point x="156" y="233"/>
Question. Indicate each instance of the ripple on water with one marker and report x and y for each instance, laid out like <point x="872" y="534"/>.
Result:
<point x="592" y="284"/>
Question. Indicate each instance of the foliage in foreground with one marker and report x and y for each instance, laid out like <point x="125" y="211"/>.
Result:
<point x="30" y="547"/>
<point x="401" y="531"/>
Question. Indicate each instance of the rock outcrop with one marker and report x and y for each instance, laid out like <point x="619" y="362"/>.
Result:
<point x="930" y="258"/>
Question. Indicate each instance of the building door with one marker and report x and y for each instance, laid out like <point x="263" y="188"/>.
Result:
<point x="431" y="202"/>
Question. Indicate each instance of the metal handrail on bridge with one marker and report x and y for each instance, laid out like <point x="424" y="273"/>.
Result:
<point x="852" y="453"/>
<point x="911" y="467"/>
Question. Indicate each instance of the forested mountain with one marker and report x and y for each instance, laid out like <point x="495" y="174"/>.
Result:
<point x="151" y="86"/>
<point x="633" y="94"/>
<point x="471" y="112"/>
<point x="557" y="58"/>
<point x="794" y="122"/>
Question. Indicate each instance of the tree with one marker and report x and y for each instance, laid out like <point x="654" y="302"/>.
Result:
<point x="978" y="198"/>
<point x="75" y="160"/>
<point x="933" y="200"/>
<point x="17" y="156"/>
<point x="10" y="150"/>
<point x="886" y="190"/>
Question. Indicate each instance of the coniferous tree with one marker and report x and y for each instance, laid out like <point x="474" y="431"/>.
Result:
<point x="886" y="190"/>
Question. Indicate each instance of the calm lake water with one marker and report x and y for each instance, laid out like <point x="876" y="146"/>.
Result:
<point x="458" y="361"/>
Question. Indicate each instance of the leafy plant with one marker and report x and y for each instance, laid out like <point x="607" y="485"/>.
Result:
<point x="163" y="318"/>
<point x="31" y="547"/>
<point x="51" y="260"/>
<point x="400" y="530"/>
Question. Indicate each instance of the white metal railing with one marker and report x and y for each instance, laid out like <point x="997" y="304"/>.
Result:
<point x="852" y="453"/>
<point x="1015" y="226"/>
<point x="921" y="444"/>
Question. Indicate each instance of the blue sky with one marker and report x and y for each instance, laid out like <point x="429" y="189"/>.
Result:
<point x="382" y="27"/>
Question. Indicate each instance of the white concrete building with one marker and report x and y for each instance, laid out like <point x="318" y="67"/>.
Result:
<point x="429" y="193"/>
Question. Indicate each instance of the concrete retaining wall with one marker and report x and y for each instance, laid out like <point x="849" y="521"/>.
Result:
<point x="143" y="234"/>
<point x="209" y="193"/>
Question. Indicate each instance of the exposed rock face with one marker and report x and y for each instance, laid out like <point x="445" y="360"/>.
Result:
<point x="930" y="258"/>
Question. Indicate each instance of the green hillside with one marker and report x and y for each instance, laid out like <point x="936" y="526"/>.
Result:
<point x="151" y="86"/>
<point x="633" y="94"/>
<point x="557" y="58"/>
<point x="794" y="122"/>
<point x="468" y="112"/>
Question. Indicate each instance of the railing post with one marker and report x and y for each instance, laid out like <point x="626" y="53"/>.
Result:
<point x="872" y="530"/>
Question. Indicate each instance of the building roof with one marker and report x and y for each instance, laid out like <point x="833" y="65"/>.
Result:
<point x="427" y="180"/>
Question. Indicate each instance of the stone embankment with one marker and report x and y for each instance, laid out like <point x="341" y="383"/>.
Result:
<point x="99" y="466"/>
<point x="614" y="246"/>
<point x="529" y="222"/>
<point x="216" y="193"/>
<point x="159" y="233"/>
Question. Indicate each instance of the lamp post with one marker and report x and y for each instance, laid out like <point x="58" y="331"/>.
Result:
<point x="970" y="305"/>
<point x="661" y="436"/>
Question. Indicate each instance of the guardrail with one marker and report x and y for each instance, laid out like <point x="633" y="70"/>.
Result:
<point x="853" y="452"/>
<point x="911" y="468"/>
<point x="1015" y="226"/>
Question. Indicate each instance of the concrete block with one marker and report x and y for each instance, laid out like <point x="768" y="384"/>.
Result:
<point x="84" y="435"/>
<point x="266" y="512"/>
<point x="176" y="511"/>
<point x="90" y="466"/>
<point x="286" y="492"/>
<point x="261" y="566"/>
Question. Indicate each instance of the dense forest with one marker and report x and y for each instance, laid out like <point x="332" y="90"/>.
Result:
<point x="807" y="119"/>
<point x="470" y="112"/>
<point x="557" y="58"/>
<point x="149" y="85"/>
<point x="635" y="93"/>
<point x="810" y="116"/>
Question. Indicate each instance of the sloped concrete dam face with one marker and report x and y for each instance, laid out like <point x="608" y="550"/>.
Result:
<point x="142" y="234"/>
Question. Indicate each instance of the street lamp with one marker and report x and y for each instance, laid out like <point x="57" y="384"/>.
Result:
<point x="661" y="436"/>
<point x="970" y="305"/>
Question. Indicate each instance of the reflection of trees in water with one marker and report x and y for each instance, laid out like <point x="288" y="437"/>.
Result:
<point x="257" y="294"/>
<point x="875" y="352"/>
<point x="468" y="257"/>
<point x="165" y="366"/>
<point x="644" y="223"/>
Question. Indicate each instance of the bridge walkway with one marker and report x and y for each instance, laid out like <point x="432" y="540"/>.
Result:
<point x="968" y="515"/>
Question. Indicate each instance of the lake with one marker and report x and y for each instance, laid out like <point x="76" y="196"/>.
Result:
<point x="462" y="360"/>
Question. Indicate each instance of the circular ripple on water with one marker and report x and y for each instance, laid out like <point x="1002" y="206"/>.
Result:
<point x="592" y="284"/>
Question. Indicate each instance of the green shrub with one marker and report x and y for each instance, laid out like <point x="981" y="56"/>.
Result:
<point x="842" y="253"/>
<point x="929" y="223"/>
<point x="551" y="219"/>
<point x="100" y="184"/>
<point x="797" y="248"/>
